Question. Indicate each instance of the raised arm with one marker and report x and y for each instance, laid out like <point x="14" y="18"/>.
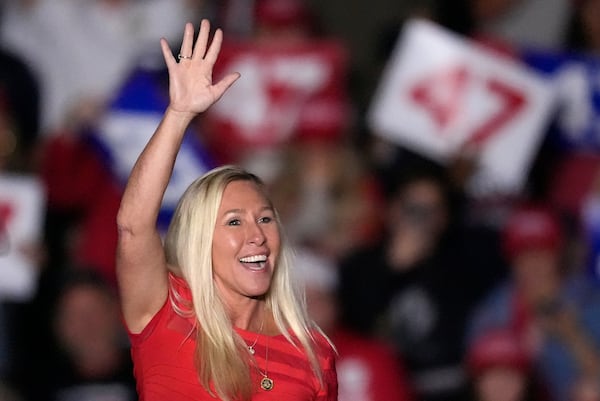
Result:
<point x="141" y="264"/>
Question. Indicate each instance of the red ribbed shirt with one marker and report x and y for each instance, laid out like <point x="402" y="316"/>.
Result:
<point x="163" y="355"/>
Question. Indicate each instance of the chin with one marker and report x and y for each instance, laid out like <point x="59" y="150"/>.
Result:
<point x="257" y="292"/>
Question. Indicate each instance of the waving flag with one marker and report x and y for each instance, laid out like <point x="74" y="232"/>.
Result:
<point x="130" y="122"/>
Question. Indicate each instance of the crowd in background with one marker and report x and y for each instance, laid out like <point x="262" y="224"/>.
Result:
<point x="428" y="292"/>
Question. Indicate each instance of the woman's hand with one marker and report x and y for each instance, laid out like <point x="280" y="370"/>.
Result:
<point x="191" y="89"/>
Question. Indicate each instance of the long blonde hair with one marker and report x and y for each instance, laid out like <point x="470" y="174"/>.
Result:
<point x="188" y="246"/>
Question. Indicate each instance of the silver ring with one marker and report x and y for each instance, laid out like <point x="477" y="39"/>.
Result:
<point x="179" y="56"/>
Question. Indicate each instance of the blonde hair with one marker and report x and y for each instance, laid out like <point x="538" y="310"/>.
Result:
<point x="219" y="356"/>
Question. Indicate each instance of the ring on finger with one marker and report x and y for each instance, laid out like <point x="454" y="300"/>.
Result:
<point x="181" y="57"/>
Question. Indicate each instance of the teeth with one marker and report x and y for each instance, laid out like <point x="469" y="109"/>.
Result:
<point x="254" y="259"/>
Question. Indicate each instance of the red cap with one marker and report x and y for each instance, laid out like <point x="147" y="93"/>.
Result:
<point x="531" y="227"/>
<point x="497" y="348"/>
<point x="281" y="13"/>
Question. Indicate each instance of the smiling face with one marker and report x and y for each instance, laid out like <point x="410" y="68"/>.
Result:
<point x="245" y="244"/>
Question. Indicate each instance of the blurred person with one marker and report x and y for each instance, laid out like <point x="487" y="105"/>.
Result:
<point x="417" y="284"/>
<point x="87" y="356"/>
<point x="327" y="198"/>
<point x="212" y="313"/>
<point x="551" y="310"/>
<point x="500" y="368"/>
<point x="368" y="369"/>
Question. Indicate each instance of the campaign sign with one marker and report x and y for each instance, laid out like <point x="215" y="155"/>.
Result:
<point x="577" y="79"/>
<point x="442" y="94"/>
<point x="284" y="92"/>
<point x="21" y="219"/>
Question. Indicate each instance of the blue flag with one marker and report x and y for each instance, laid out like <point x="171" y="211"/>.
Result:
<point x="127" y="126"/>
<point x="577" y="80"/>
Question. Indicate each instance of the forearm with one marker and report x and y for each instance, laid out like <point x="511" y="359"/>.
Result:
<point x="142" y="198"/>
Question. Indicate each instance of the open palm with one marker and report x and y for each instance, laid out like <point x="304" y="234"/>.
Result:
<point x="191" y="88"/>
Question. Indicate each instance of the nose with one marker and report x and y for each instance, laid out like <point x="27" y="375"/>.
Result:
<point x="256" y="235"/>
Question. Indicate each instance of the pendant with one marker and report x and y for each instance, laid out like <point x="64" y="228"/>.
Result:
<point x="266" y="384"/>
<point x="251" y="350"/>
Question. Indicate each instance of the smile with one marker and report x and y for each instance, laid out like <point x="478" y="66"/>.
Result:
<point x="254" y="262"/>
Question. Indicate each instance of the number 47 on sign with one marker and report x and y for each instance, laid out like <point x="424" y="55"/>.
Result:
<point x="441" y="93"/>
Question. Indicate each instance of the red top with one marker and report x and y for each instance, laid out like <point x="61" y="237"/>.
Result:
<point x="163" y="355"/>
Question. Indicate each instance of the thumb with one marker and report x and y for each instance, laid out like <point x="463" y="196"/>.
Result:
<point x="224" y="84"/>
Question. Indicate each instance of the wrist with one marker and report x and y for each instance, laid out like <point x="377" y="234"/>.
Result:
<point x="183" y="118"/>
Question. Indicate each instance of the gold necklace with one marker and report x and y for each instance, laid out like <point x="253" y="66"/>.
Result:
<point x="251" y="347"/>
<point x="266" y="383"/>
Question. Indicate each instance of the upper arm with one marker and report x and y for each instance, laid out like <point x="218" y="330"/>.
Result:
<point x="142" y="276"/>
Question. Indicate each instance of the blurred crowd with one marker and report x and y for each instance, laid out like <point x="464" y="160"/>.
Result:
<point x="429" y="292"/>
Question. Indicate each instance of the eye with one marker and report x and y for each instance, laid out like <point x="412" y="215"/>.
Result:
<point x="234" y="222"/>
<point x="265" y="219"/>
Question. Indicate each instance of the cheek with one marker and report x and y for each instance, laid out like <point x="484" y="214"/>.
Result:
<point x="273" y="237"/>
<point x="225" y="244"/>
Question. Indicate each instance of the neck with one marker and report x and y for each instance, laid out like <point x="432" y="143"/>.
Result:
<point x="249" y="316"/>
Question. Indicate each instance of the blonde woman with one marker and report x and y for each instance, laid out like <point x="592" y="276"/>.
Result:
<point x="212" y="314"/>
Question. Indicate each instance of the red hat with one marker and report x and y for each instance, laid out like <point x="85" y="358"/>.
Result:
<point x="531" y="227"/>
<point x="281" y="13"/>
<point x="497" y="348"/>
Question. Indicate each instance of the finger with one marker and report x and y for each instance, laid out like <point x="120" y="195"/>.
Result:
<point x="200" y="47"/>
<point x="167" y="53"/>
<point x="224" y="84"/>
<point x="215" y="47"/>
<point x="188" y="40"/>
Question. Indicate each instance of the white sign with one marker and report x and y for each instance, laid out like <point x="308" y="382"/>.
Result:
<point x="441" y="94"/>
<point x="21" y="218"/>
<point x="284" y="92"/>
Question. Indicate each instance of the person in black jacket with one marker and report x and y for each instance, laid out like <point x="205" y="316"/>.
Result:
<point x="417" y="286"/>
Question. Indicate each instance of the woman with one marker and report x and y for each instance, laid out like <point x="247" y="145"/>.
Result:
<point x="213" y="313"/>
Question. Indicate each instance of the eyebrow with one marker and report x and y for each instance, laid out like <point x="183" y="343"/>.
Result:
<point x="234" y="211"/>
